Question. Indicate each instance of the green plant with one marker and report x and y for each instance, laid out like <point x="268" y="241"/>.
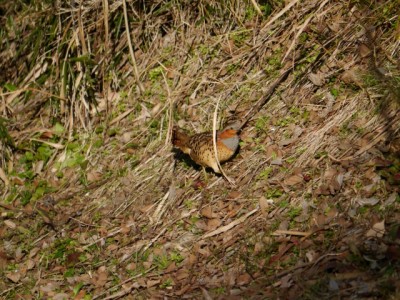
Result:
<point x="265" y="173"/>
<point x="167" y="283"/>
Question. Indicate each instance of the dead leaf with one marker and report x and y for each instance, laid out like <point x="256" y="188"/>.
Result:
<point x="352" y="76"/>
<point x="286" y="281"/>
<point x="131" y="266"/>
<point x="213" y="224"/>
<point x="72" y="258"/>
<point x="201" y="224"/>
<point x="317" y="79"/>
<point x="155" y="109"/>
<point x="272" y="151"/>
<point x="377" y="230"/>
<point x="46" y="135"/>
<point x="172" y="267"/>
<point x="151" y="283"/>
<point x="10" y="224"/>
<point x="33" y="252"/>
<point x="368" y="201"/>
<point x="3" y="177"/>
<point x="208" y="212"/>
<point x="80" y="295"/>
<point x="206" y="295"/>
<point x="38" y="166"/>
<point x="112" y="247"/>
<point x="93" y="176"/>
<point x="60" y="296"/>
<point x="311" y="255"/>
<point x="191" y="259"/>
<point x="391" y="199"/>
<point x="234" y="195"/>
<point x="49" y="287"/>
<point x="381" y="163"/>
<point x="182" y="274"/>
<point x="101" y="277"/>
<point x="333" y="285"/>
<point x="277" y="162"/>
<point x="126" y="137"/>
<point x="302" y="218"/>
<point x="14" y="276"/>
<point x="258" y="247"/>
<point x="243" y="279"/>
<point x="364" y="50"/>
<point x="293" y="180"/>
<point x="264" y="203"/>
<point x="3" y="260"/>
<point x="286" y="142"/>
<point x="30" y="264"/>
<point x="320" y="220"/>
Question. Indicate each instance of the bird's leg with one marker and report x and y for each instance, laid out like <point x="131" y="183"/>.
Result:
<point x="205" y="174"/>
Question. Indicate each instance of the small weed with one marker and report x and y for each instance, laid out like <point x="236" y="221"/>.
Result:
<point x="294" y="212"/>
<point x="273" y="193"/>
<point x="162" y="261"/>
<point x="219" y="290"/>
<point x="274" y="62"/>
<point x="239" y="37"/>
<point x="26" y="196"/>
<point x="291" y="160"/>
<point x="204" y="49"/>
<point x="77" y="288"/>
<point x="62" y="247"/>
<point x="329" y="234"/>
<point x="295" y="111"/>
<point x="232" y="68"/>
<point x="155" y="74"/>
<point x="320" y="154"/>
<point x="98" y="143"/>
<point x="99" y="129"/>
<point x="335" y="92"/>
<point x="283" y="122"/>
<point x="265" y="173"/>
<point x="283" y="204"/>
<point x="188" y="204"/>
<point x="70" y="272"/>
<point x="266" y="9"/>
<point x="176" y="257"/>
<point x="96" y="217"/>
<point x="370" y="80"/>
<point x="305" y="115"/>
<point x="194" y="219"/>
<point x="262" y="123"/>
<point x="358" y="185"/>
<point x="363" y="210"/>
<point x="303" y="37"/>
<point x="112" y="132"/>
<point x="167" y="283"/>
<point x="250" y="13"/>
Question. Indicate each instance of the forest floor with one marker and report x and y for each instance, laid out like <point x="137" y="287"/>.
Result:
<point x="96" y="204"/>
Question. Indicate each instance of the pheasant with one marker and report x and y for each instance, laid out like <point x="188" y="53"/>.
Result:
<point x="200" y="146"/>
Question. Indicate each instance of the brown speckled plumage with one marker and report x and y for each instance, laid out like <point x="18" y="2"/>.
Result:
<point x="200" y="146"/>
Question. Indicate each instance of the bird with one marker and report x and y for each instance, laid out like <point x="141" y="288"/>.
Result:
<point x="200" y="146"/>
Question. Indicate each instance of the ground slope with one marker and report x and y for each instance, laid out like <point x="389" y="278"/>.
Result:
<point x="95" y="203"/>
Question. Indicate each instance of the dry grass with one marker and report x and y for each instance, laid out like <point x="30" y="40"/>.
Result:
<point x="94" y="201"/>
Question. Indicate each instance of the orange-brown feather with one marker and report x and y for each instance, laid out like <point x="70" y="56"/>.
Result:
<point x="228" y="133"/>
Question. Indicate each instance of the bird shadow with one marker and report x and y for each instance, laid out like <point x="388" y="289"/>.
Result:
<point x="183" y="157"/>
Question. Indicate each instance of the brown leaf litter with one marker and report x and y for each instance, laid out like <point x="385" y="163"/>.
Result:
<point x="99" y="206"/>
